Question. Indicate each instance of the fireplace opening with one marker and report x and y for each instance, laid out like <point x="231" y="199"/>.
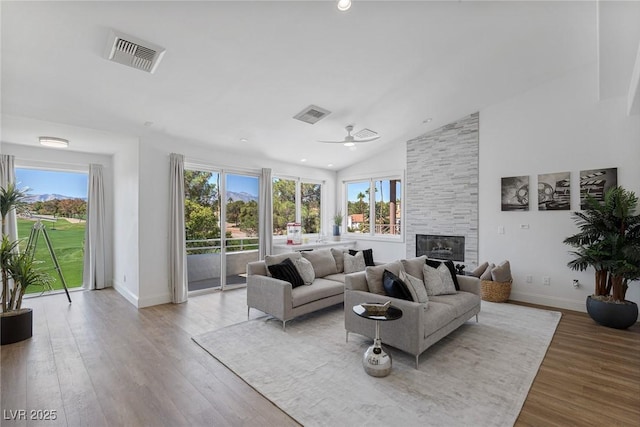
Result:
<point x="440" y="247"/>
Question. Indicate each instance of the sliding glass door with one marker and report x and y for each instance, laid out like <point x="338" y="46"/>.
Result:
<point x="221" y="221"/>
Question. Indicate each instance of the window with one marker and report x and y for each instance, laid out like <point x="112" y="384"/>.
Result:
<point x="295" y="200"/>
<point x="378" y="215"/>
<point x="58" y="201"/>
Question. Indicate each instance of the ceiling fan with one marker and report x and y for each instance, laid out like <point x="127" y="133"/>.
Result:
<point x="365" y="135"/>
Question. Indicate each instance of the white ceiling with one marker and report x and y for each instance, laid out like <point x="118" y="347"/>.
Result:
<point x="237" y="70"/>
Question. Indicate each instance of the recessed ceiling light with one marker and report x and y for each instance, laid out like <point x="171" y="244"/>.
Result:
<point x="427" y="120"/>
<point x="344" y="5"/>
<point x="50" y="141"/>
<point x="303" y="160"/>
<point x="330" y="165"/>
<point x="244" y="140"/>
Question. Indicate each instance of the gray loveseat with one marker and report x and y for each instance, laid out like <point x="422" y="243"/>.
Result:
<point x="422" y="324"/>
<point x="284" y="302"/>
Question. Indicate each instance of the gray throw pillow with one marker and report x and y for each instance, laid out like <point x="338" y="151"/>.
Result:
<point x="338" y="256"/>
<point x="354" y="263"/>
<point x="480" y="269"/>
<point x="277" y="259"/>
<point x="323" y="262"/>
<point x="487" y="273"/>
<point x="501" y="272"/>
<point x="413" y="266"/>
<point x="438" y="281"/>
<point x="305" y="269"/>
<point x="416" y="287"/>
<point x="374" y="276"/>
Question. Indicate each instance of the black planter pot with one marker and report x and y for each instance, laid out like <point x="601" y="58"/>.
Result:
<point x="16" y="326"/>
<point x="612" y="315"/>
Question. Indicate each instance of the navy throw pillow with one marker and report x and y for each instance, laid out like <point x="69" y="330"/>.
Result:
<point x="452" y="269"/>
<point x="394" y="287"/>
<point x="288" y="272"/>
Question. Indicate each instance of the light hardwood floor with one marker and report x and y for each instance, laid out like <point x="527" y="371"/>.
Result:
<point x="101" y="362"/>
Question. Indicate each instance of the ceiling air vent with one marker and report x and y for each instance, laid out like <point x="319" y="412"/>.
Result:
<point x="133" y="52"/>
<point x="312" y="114"/>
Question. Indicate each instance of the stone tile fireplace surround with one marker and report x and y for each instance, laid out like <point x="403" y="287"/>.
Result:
<point x="442" y="185"/>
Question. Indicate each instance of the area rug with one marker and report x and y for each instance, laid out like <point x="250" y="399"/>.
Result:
<point x="477" y="376"/>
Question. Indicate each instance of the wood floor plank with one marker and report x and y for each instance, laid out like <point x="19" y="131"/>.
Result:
<point x="102" y="362"/>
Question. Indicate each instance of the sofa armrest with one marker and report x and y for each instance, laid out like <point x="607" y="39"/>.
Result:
<point x="469" y="284"/>
<point x="405" y="333"/>
<point x="270" y="295"/>
<point x="257" y="267"/>
<point x="356" y="281"/>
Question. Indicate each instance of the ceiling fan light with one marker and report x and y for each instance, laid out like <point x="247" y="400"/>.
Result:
<point x="344" y="5"/>
<point x="349" y="144"/>
<point x="50" y="141"/>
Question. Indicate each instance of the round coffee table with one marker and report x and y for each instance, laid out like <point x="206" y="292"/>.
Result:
<point x="376" y="361"/>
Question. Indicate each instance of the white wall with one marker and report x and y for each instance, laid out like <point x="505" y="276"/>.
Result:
<point x="154" y="195"/>
<point x="57" y="159"/>
<point x="391" y="161"/>
<point x="557" y="127"/>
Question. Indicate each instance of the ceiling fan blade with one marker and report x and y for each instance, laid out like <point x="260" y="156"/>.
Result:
<point x="373" y="138"/>
<point x="333" y="142"/>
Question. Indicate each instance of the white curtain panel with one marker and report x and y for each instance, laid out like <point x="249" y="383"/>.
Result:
<point x="94" y="274"/>
<point x="265" y="214"/>
<point x="8" y="176"/>
<point x="178" y="281"/>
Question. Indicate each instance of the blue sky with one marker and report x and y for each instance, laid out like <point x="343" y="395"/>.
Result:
<point x="239" y="183"/>
<point x="356" y="187"/>
<point x="72" y="184"/>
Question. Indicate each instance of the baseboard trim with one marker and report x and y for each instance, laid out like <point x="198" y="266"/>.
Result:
<point x="126" y="293"/>
<point x="548" y="301"/>
<point x="156" y="300"/>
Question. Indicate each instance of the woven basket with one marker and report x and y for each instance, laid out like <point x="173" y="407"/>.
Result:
<point x="495" y="291"/>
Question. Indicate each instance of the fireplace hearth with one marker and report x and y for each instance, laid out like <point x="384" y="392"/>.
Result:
<point x="440" y="247"/>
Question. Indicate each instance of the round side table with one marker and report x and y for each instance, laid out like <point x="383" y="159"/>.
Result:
<point x="376" y="361"/>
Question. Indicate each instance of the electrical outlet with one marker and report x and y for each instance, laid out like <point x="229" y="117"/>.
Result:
<point x="529" y="279"/>
<point x="501" y="229"/>
<point x="576" y="284"/>
<point x="546" y="280"/>
<point x="524" y="226"/>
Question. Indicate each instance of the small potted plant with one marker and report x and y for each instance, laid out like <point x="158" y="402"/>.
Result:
<point x="337" y="223"/>
<point x="609" y="241"/>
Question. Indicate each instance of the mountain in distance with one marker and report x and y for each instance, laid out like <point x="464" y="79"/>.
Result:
<point x="244" y="196"/>
<point x="32" y="198"/>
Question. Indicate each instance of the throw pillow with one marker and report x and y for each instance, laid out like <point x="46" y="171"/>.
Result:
<point x="413" y="266"/>
<point x="305" y="269"/>
<point x="452" y="270"/>
<point x="323" y="262"/>
<point x="502" y="272"/>
<point x="338" y="256"/>
<point x="416" y="287"/>
<point x="276" y="259"/>
<point x="368" y="256"/>
<point x="487" y="273"/>
<point x="394" y="287"/>
<point x="480" y="269"/>
<point x="354" y="263"/>
<point x="286" y="271"/>
<point x="374" y="276"/>
<point x="438" y="280"/>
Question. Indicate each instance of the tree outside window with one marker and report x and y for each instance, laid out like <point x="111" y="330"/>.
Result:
<point x="381" y="213"/>
<point x="296" y="201"/>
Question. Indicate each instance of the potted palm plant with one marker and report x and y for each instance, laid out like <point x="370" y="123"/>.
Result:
<point x="19" y="272"/>
<point x="609" y="241"/>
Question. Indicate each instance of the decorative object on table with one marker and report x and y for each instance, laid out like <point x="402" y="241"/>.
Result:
<point x="460" y="269"/>
<point x="554" y="191"/>
<point x="16" y="323"/>
<point x="337" y="223"/>
<point x="377" y="362"/>
<point x="497" y="287"/>
<point x="595" y="183"/>
<point x="609" y="241"/>
<point x="376" y="309"/>
<point x="294" y="233"/>
<point x="515" y="193"/>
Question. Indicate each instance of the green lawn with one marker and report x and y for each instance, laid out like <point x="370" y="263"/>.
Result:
<point x="68" y="243"/>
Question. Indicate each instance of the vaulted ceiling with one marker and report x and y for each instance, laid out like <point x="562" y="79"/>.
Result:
<point x="242" y="70"/>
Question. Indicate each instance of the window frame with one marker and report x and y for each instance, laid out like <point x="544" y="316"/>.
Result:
<point x="298" y="200"/>
<point x="372" y="235"/>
